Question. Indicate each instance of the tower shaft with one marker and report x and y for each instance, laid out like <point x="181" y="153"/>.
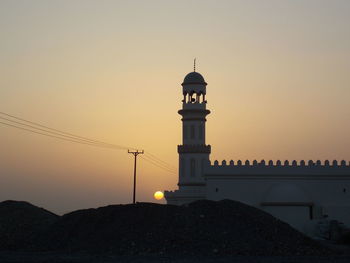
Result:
<point x="193" y="152"/>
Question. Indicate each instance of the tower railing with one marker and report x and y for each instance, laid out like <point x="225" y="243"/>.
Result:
<point x="197" y="148"/>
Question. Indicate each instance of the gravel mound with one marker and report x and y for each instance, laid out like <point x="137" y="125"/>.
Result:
<point x="22" y="223"/>
<point x="200" y="228"/>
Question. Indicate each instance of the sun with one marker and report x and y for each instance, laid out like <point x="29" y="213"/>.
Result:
<point x="158" y="195"/>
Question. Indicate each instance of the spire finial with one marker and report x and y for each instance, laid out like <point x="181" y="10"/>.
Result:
<point x="194" y="65"/>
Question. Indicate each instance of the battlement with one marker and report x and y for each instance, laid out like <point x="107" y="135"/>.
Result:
<point x="278" y="168"/>
<point x="285" y="163"/>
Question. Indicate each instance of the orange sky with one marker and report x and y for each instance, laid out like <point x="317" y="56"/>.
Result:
<point x="278" y="88"/>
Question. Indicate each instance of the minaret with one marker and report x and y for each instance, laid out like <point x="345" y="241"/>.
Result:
<point x="193" y="153"/>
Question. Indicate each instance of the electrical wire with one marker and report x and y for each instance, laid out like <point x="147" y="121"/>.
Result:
<point x="49" y="135"/>
<point x="159" y="160"/>
<point x="155" y="164"/>
<point x="158" y="164"/>
<point x="70" y="138"/>
<point x="62" y="132"/>
<point x="59" y="134"/>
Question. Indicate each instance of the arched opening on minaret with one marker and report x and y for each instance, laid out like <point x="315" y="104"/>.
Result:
<point x="194" y="97"/>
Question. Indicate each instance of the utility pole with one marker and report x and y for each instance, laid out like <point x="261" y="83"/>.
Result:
<point x="135" y="153"/>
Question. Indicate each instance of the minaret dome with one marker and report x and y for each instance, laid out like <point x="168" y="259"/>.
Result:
<point x="194" y="78"/>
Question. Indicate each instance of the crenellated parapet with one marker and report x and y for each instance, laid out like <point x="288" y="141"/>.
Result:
<point x="287" y="163"/>
<point x="278" y="167"/>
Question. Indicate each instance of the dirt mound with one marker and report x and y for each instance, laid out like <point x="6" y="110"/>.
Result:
<point x="200" y="228"/>
<point x="21" y="223"/>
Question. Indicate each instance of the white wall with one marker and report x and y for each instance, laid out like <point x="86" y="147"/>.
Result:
<point x="327" y="194"/>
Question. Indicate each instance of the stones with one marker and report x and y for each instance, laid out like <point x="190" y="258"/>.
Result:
<point x="21" y="223"/>
<point x="200" y="228"/>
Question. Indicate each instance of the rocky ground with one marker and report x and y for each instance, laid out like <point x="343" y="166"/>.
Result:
<point x="205" y="231"/>
<point x="21" y="223"/>
<point x="40" y="257"/>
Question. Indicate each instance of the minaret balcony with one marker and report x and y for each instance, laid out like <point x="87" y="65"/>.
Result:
<point x="194" y="148"/>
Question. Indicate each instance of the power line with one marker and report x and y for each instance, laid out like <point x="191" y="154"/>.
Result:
<point x="146" y="157"/>
<point x="82" y="142"/>
<point x="155" y="164"/>
<point x="49" y="135"/>
<point x="160" y="161"/>
<point x="135" y="153"/>
<point x="70" y="138"/>
<point x="59" y="134"/>
<point x="47" y="131"/>
<point x="77" y="138"/>
<point x="63" y="133"/>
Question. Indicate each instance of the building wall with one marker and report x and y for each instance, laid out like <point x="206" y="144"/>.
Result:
<point x="298" y="193"/>
<point x="330" y="195"/>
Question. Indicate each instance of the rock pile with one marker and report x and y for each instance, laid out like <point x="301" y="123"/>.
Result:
<point x="200" y="228"/>
<point x="22" y="223"/>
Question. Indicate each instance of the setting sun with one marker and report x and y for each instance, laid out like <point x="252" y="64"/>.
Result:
<point x="158" y="195"/>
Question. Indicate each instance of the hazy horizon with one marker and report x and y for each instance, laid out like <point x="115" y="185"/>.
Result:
<point x="278" y="88"/>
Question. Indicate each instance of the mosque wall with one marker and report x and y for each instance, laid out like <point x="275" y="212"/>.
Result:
<point x="301" y="195"/>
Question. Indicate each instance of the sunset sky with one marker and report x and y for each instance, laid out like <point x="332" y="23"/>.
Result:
<point x="278" y="88"/>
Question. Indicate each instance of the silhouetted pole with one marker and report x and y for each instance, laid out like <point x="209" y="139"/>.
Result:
<point x="135" y="153"/>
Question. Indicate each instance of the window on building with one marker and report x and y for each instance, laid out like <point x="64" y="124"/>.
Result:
<point x="185" y="131"/>
<point x="202" y="166"/>
<point x="193" y="167"/>
<point x="311" y="212"/>
<point x="200" y="132"/>
<point x="192" y="132"/>
<point x="182" y="167"/>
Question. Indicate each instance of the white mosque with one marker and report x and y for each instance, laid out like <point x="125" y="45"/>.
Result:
<point x="299" y="193"/>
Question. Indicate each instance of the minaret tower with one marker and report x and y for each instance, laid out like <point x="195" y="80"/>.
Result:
<point x="193" y="153"/>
